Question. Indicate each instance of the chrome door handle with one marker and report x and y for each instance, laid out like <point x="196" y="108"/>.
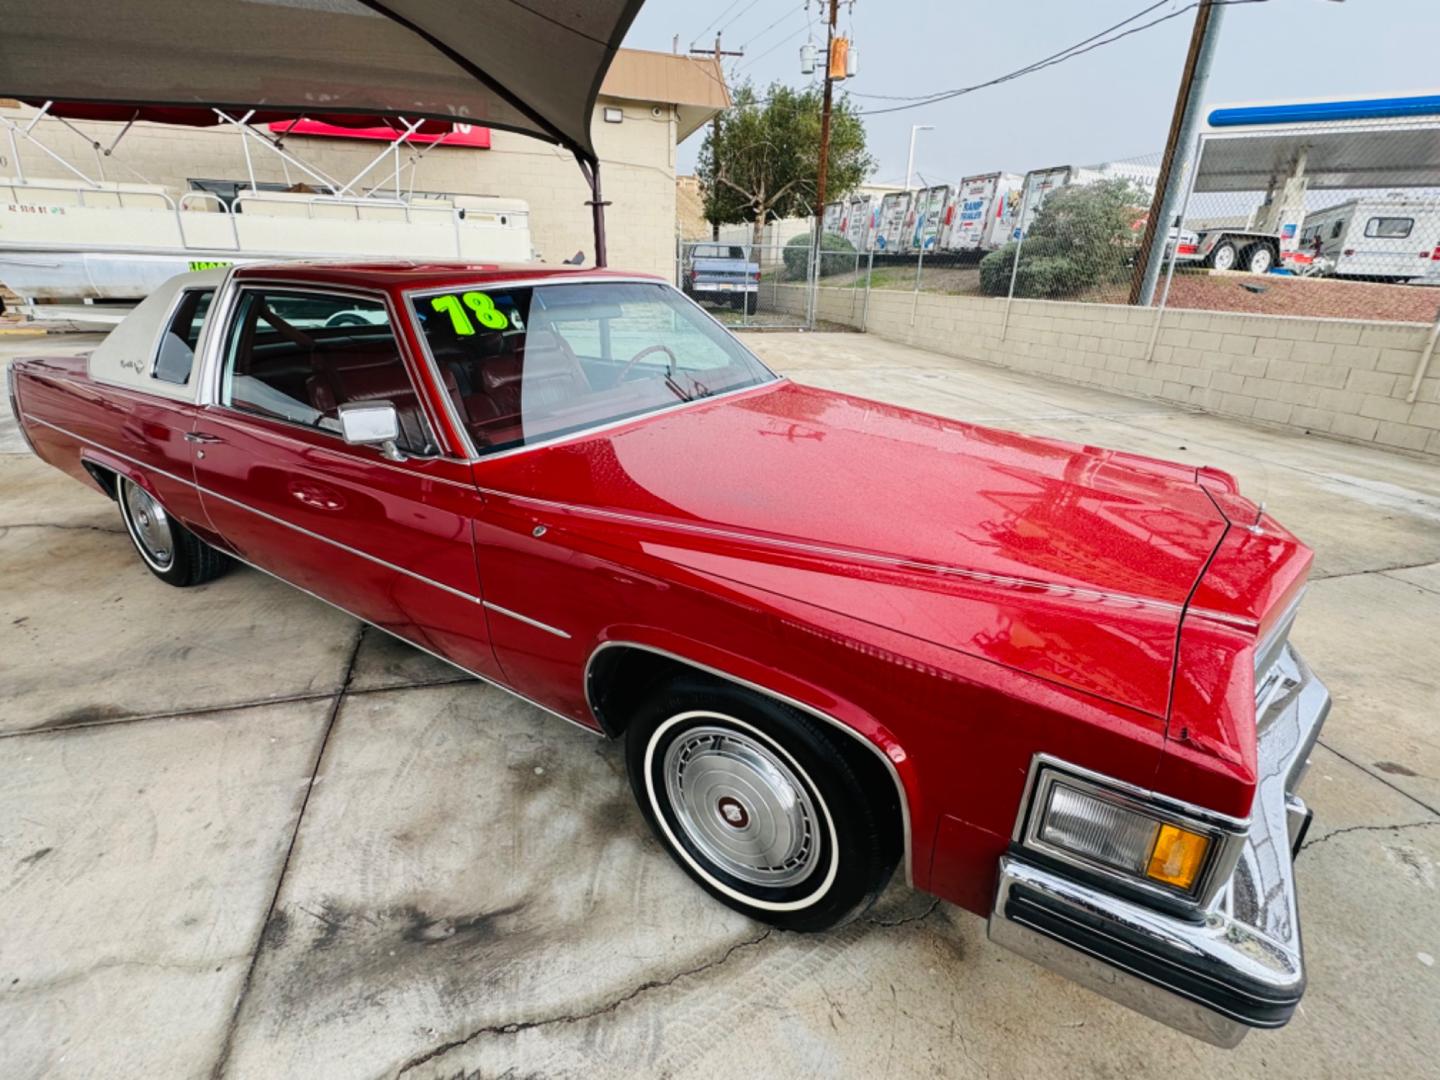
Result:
<point x="200" y="436"/>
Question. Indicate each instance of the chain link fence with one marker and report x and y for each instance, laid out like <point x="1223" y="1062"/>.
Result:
<point x="1329" y="220"/>
<point x="762" y="285"/>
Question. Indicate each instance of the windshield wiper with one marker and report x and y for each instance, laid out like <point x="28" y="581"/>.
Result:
<point x="676" y="388"/>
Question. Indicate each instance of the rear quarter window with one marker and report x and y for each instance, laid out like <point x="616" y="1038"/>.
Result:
<point x="175" y="356"/>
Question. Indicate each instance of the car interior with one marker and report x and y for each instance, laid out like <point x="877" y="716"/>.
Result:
<point x="285" y="367"/>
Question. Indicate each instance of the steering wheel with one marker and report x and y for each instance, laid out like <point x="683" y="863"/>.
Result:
<point x="670" y="367"/>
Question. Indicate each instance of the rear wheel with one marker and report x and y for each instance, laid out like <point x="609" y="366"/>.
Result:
<point x="758" y="804"/>
<point x="1224" y="257"/>
<point x="170" y="551"/>
<point x="1259" y="259"/>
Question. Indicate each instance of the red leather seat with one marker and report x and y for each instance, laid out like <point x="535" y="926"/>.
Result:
<point x="368" y="375"/>
<point x="543" y="377"/>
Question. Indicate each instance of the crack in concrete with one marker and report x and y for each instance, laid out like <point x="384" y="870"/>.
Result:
<point x="1376" y="776"/>
<point x="228" y="1044"/>
<point x="589" y="1014"/>
<point x="643" y="988"/>
<point x="1407" y="581"/>
<point x="239" y="706"/>
<point x="207" y="967"/>
<point x="1366" y="828"/>
<point x="908" y="920"/>
<point x="1384" y="571"/>
<point x="64" y="528"/>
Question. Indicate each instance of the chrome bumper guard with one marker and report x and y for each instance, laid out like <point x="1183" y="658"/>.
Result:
<point x="1239" y="964"/>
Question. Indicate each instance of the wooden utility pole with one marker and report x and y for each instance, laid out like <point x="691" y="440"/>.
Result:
<point x="717" y="52"/>
<point x="1182" y="129"/>
<point x="825" y="120"/>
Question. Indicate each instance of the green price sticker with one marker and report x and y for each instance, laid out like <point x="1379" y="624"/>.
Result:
<point x="477" y="304"/>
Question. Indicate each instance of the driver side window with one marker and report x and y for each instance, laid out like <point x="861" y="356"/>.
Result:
<point x="298" y="356"/>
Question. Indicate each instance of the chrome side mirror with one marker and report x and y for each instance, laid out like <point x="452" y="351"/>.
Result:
<point x="372" y="423"/>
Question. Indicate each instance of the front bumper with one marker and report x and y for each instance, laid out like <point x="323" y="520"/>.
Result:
<point x="1240" y="964"/>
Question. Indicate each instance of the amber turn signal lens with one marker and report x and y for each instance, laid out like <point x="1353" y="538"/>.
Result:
<point x="1177" y="856"/>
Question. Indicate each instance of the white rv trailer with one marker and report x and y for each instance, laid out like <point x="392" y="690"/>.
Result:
<point x="982" y="212"/>
<point x="1392" y="238"/>
<point x="830" y="224"/>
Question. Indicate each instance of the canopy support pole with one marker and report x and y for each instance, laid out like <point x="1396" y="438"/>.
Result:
<point x="247" y="133"/>
<point x="591" y="171"/>
<point x="394" y="147"/>
<point x="34" y="141"/>
<point x="417" y="153"/>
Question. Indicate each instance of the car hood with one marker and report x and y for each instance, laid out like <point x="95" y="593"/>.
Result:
<point x="1069" y="562"/>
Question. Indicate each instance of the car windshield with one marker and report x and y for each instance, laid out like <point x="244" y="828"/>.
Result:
<point x="531" y="363"/>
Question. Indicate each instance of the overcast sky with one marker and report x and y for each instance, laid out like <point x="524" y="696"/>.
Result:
<point x="1111" y="103"/>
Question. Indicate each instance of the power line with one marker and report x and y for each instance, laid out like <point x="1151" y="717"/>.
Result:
<point x="1123" y="22"/>
<point x="792" y="12"/>
<point x="739" y="15"/>
<point x="767" y="52"/>
<point x="717" y="19"/>
<point x="1089" y="45"/>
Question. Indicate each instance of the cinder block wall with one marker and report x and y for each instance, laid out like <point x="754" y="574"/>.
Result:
<point x="1339" y="377"/>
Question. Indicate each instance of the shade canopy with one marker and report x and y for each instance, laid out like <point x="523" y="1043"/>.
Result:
<point x="531" y="66"/>
<point x="1378" y="142"/>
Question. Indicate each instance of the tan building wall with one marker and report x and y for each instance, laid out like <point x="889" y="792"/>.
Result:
<point x="637" y="173"/>
<point x="690" y="220"/>
<point x="1338" y="377"/>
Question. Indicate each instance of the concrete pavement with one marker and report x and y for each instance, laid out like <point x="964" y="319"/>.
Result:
<point x="241" y="836"/>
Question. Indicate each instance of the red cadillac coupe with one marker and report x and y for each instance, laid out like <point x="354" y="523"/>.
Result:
<point x="1052" y="682"/>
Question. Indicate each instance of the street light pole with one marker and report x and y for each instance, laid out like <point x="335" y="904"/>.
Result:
<point x="910" y="162"/>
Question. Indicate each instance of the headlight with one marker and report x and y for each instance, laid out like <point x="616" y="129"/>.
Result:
<point x="1121" y="834"/>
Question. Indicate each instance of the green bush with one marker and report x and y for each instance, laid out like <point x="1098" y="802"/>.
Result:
<point x="1083" y="236"/>
<point x="995" y="267"/>
<point x="797" y="256"/>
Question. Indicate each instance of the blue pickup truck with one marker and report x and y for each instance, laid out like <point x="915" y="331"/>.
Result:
<point x="721" y="274"/>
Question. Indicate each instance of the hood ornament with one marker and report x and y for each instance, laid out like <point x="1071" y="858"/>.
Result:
<point x="1259" y="513"/>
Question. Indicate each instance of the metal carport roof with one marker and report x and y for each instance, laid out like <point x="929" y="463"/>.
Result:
<point x="1377" y="142"/>
<point x="532" y="66"/>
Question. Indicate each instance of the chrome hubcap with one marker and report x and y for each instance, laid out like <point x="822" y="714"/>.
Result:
<point x="150" y="527"/>
<point x="742" y="806"/>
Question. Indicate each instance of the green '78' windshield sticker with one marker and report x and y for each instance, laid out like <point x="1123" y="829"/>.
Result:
<point x="473" y="307"/>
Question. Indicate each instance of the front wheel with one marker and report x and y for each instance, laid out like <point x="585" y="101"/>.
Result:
<point x="759" y="804"/>
<point x="169" y="550"/>
<point x="1224" y="257"/>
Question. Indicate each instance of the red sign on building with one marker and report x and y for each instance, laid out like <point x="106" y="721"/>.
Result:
<point x="459" y="134"/>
